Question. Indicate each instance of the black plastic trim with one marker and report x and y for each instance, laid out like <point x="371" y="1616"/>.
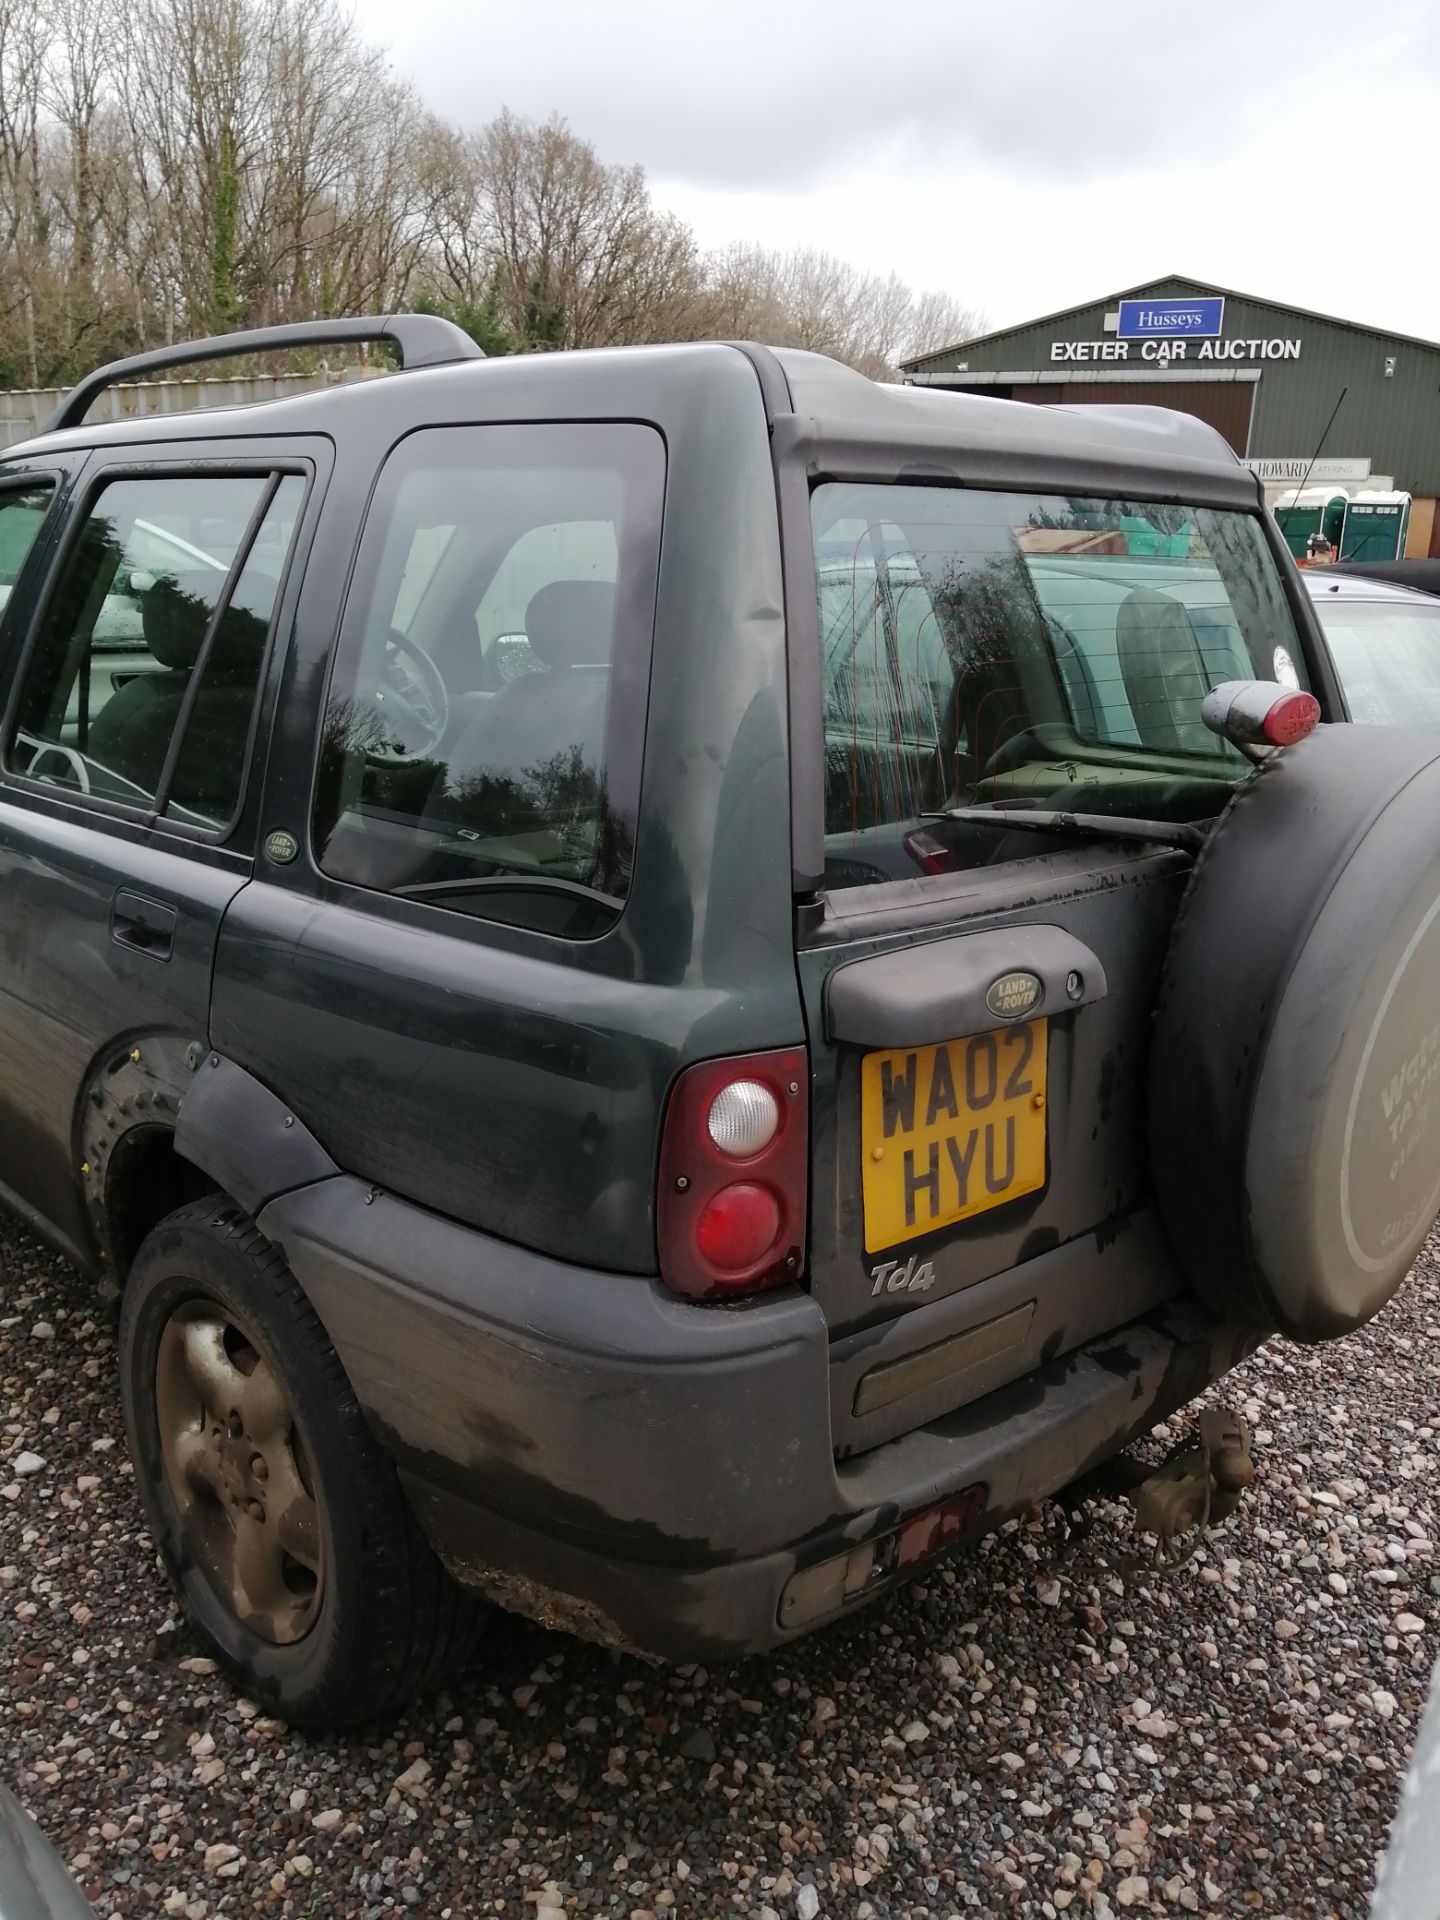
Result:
<point x="920" y="995"/>
<point x="802" y="663"/>
<point x="235" y="1129"/>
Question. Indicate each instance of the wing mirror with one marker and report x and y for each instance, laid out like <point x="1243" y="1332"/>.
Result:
<point x="1259" y="715"/>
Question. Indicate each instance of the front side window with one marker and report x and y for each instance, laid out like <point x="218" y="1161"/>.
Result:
<point x="482" y="738"/>
<point x="142" y="683"/>
<point x="22" y="512"/>
<point x="1003" y="647"/>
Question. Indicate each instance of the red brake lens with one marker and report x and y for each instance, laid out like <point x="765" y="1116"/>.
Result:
<point x="1291" y="719"/>
<point x="738" y="1227"/>
<point x="929" y="854"/>
<point x="728" y="1221"/>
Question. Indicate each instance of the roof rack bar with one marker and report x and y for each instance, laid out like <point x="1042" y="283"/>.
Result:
<point x="421" y="339"/>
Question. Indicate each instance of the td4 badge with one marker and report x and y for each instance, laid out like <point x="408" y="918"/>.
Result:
<point x="895" y="1276"/>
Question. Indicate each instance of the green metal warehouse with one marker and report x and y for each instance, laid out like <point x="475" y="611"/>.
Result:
<point x="1302" y="397"/>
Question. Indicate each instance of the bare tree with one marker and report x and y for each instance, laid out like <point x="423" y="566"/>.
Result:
<point x="581" y="256"/>
<point x="182" y="166"/>
<point x="23" y="46"/>
<point x="940" y="320"/>
<point x="808" y="298"/>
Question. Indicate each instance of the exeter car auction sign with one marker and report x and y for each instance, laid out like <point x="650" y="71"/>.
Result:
<point x="1166" y="350"/>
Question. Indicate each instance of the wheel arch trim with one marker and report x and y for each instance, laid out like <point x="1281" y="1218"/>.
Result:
<point x="233" y="1128"/>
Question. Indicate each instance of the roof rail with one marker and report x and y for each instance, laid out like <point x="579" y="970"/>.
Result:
<point x="422" y="340"/>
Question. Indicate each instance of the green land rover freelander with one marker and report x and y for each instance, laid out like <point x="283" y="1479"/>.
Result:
<point x="667" y="981"/>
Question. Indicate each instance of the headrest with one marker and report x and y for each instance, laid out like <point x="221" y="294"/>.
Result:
<point x="571" y="623"/>
<point x="175" y="613"/>
<point x="1149" y="622"/>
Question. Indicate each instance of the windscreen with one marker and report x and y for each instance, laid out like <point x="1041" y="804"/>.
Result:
<point x="1388" y="655"/>
<point x="1014" y="648"/>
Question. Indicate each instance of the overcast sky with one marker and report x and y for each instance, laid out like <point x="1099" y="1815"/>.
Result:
<point x="1024" y="155"/>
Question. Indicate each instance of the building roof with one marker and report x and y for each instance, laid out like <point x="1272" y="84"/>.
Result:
<point x="1167" y="280"/>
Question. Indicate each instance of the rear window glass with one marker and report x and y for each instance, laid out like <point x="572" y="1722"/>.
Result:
<point x="483" y="734"/>
<point x="1010" y="648"/>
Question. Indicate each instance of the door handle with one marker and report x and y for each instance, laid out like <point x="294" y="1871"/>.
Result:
<point x="939" y="989"/>
<point x="143" y="925"/>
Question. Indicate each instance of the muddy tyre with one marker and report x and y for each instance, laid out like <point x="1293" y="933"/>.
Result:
<point x="277" y="1515"/>
<point x="1295" y="1061"/>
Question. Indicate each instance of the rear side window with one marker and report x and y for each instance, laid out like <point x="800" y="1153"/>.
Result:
<point x="22" y="512"/>
<point x="483" y="734"/>
<point x="141" y="686"/>
<point x="996" y="647"/>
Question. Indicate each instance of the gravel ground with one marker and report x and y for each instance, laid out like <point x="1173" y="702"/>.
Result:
<point x="1028" y="1734"/>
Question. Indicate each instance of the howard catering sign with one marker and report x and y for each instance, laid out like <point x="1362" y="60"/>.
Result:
<point x="1171" y="319"/>
<point x="1304" y="468"/>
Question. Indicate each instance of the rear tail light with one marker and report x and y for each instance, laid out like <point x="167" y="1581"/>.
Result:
<point x="734" y="1165"/>
<point x="929" y="854"/>
<point x="738" y="1226"/>
<point x="1254" y="714"/>
<point x="744" y="1118"/>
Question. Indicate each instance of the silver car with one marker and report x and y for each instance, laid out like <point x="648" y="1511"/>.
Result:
<point x="33" y="1882"/>
<point x="1409" y="1886"/>
<point x="1386" y="643"/>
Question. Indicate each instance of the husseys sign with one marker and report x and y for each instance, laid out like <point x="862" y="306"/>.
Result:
<point x="1171" y="319"/>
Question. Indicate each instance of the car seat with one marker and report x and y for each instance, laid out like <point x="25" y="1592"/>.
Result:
<point x="1163" y="671"/>
<point x="131" y="734"/>
<point x="541" y="726"/>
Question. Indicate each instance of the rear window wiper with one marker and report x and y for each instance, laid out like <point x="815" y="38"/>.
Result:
<point x="512" y="880"/>
<point x="1097" y="826"/>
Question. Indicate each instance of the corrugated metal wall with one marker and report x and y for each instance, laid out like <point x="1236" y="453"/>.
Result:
<point x="1395" y="419"/>
<point x="1222" y="404"/>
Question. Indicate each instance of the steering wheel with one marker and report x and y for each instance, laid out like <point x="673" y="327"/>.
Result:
<point x="411" y="704"/>
<point x="73" y="760"/>
<point x="1045" y="741"/>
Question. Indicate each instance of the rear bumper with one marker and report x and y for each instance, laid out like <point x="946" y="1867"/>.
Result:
<point x="615" y="1461"/>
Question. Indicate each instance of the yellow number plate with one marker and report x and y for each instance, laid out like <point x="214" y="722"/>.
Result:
<point x="951" y="1130"/>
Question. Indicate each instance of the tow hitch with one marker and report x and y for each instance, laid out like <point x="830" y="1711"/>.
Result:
<point x="1200" y="1485"/>
<point x="1198" y="1488"/>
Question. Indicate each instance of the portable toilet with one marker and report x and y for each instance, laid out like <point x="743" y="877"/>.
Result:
<point x="1306" y="510"/>
<point x="1375" y="526"/>
<point x="1144" y="538"/>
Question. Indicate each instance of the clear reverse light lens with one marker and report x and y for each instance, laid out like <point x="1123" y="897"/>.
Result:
<point x="743" y="1118"/>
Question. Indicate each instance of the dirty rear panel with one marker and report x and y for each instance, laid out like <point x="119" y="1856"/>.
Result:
<point x="946" y="1314"/>
<point x="1114" y="913"/>
<point x="978" y="997"/>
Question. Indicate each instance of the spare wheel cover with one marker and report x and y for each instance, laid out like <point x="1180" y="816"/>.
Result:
<point x="1295" y="1062"/>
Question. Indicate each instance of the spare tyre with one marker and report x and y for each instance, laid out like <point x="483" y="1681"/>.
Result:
<point x="1295" y="1061"/>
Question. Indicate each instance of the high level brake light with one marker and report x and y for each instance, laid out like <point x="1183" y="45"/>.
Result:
<point x="734" y="1166"/>
<point x="1253" y="714"/>
<point x="1291" y="719"/>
